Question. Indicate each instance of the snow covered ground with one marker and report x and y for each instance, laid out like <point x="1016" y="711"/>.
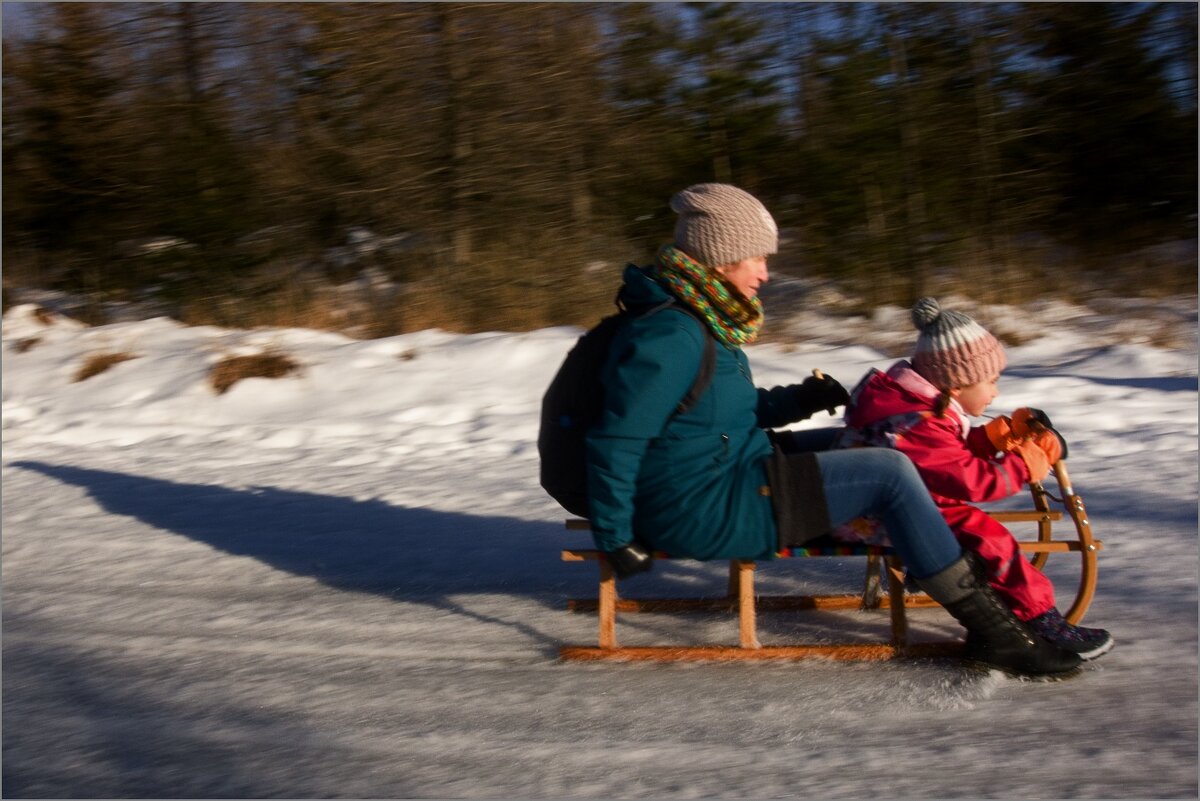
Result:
<point x="345" y="583"/>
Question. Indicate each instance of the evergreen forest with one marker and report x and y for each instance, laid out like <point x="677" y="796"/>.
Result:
<point x="485" y="166"/>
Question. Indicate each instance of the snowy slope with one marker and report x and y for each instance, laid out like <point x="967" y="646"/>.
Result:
<point x="345" y="583"/>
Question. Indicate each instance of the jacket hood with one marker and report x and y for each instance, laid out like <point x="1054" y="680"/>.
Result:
<point x="899" y="390"/>
<point x="640" y="290"/>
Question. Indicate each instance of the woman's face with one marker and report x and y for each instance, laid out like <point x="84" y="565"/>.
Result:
<point x="746" y="275"/>
<point x="976" y="398"/>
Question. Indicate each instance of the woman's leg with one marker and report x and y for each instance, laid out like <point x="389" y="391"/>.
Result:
<point x="884" y="483"/>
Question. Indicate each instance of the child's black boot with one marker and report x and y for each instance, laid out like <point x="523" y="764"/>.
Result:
<point x="995" y="636"/>
<point x="1052" y="627"/>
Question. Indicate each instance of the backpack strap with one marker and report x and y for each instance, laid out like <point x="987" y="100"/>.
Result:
<point x="708" y="363"/>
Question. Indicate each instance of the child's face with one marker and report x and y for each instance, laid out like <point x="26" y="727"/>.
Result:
<point x="976" y="398"/>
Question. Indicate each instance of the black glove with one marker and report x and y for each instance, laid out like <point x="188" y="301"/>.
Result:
<point x="820" y="392"/>
<point x="629" y="560"/>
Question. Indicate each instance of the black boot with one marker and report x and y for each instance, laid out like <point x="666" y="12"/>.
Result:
<point x="995" y="636"/>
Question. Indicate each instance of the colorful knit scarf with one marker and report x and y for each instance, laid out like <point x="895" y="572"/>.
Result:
<point x="734" y="319"/>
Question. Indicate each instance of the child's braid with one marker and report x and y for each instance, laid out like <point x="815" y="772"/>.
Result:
<point x="942" y="403"/>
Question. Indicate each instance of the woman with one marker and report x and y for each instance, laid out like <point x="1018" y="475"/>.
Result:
<point x="709" y="484"/>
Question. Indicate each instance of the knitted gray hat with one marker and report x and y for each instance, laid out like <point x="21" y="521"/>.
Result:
<point x="953" y="350"/>
<point x="721" y="224"/>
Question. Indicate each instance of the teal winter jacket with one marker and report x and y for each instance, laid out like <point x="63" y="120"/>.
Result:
<point x="692" y="484"/>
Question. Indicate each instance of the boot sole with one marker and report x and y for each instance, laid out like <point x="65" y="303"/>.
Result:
<point x="1014" y="674"/>
<point x="1098" y="651"/>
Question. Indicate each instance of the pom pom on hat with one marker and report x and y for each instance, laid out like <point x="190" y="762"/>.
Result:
<point x="953" y="350"/>
<point x="925" y="311"/>
<point x="721" y="224"/>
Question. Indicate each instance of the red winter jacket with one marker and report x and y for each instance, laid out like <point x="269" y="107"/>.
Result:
<point x="957" y="462"/>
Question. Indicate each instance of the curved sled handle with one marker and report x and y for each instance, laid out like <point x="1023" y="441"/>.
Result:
<point x="1087" y="544"/>
<point x="1064" y="480"/>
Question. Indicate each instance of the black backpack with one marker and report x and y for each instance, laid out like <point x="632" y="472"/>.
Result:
<point x="575" y="399"/>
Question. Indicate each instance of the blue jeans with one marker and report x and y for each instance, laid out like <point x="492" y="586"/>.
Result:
<point x="883" y="483"/>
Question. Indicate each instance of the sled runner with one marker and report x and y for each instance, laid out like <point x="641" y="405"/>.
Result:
<point x="881" y="561"/>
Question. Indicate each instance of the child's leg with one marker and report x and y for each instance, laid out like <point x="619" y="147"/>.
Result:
<point x="883" y="483"/>
<point x="1023" y="587"/>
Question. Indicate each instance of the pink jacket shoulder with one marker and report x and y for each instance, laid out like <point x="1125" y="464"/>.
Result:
<point x="896" y="409"/>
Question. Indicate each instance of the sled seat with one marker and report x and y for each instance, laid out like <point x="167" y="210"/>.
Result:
<point x="741" y="598"/>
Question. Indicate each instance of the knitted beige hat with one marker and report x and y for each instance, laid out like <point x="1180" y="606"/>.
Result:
<point x="721" y="224"/>
<point x="953" y="350"/>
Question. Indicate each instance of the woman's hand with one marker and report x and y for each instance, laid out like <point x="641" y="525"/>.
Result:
<point x="629" y="560"/>
<point x="820" y="391"/>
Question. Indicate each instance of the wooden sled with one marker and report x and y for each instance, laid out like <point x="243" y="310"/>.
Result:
<point x="741" y="598"/>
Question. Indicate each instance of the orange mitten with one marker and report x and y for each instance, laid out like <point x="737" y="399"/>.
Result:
<point x="1051" y="444"/>
<point x="1036" y="459"/>
<point x="1027" y="422"/>
<point x="1000" y="433"/>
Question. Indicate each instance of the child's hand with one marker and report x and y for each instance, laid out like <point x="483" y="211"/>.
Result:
<point x="1052" y="443"/>
<point x="1035" y="424"/>
<point x="1027" y="422"/>
<point x="1035" y="459"/>
<point x="1040" y="452"/>
<point x="1000" y="433"/>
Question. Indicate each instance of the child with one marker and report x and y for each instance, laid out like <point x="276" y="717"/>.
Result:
<point x="920" y="408"/>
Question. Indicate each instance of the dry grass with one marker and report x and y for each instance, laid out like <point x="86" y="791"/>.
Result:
<point x="97" y="363"/>
<point x="1012" y="339"/>
<point x="28" y="343"/>
<point x="497" y="292"/>
<point x="233" y="369"/>
<point x="1172" y="337"/>
<point x="287" y="308"/>
<point x="299" y="308"/>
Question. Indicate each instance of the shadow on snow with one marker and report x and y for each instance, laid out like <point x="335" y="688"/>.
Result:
<point x="414" y="555"/>
<point x="418" y="555"/>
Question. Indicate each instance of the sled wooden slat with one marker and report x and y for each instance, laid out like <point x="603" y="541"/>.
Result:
<point x="858" y="652"/>
<point x="1059" y="546"/>
<point x="741" y="598"/>
<point x="1035" y="516"/>
<point x="764" y="603"/>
